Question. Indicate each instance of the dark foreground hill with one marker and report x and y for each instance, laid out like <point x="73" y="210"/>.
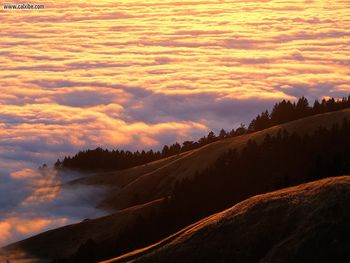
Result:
<point x="305" y="223"/>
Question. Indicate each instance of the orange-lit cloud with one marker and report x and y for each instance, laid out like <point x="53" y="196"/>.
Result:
<point x="12" y="227"/>
<point x="43" y="184"/>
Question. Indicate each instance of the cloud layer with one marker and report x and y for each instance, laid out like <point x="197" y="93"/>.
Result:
<point x="83" y="73"/>
<point x="32" y="201"/>
<point x="138" y="74"/>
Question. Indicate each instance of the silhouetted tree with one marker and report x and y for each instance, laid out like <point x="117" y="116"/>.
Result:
<point x="165" y="151"/>
<point x="302" y="108"/>
<point x="282" y="112"/>
<point x="241" y="130"/>
<point x="222" y="134"/>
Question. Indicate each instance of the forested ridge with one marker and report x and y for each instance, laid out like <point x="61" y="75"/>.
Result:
<point x="279" y="161"/>
<point x="282" y="112"/>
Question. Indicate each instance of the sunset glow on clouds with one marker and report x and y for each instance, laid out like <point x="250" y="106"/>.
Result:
<point x="137" y="74"/>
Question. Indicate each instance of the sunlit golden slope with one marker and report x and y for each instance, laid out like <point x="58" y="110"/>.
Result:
<point x="155" y="180"/>
<point x="308" y="222"/>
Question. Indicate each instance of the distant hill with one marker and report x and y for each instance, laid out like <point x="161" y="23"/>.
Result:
<point x="305" y="223"/>
<point x="112" y="160"/>
<point x="157" y="179"/>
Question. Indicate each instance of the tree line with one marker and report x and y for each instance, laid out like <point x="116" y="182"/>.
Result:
<point x="282" y="112"/>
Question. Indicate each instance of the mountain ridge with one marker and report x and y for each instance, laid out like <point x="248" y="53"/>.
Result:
<point x="159" y="183"/>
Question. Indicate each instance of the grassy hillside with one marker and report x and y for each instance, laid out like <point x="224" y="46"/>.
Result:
<point x="306" y="223"/>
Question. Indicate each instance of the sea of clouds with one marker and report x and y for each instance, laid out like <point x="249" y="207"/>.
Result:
<point x="137" y="75"/>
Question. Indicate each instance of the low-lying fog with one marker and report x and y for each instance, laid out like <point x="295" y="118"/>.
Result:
<point x="36" y="200"/>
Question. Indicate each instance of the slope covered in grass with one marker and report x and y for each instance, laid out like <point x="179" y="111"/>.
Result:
<point x="305" y="223"/>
